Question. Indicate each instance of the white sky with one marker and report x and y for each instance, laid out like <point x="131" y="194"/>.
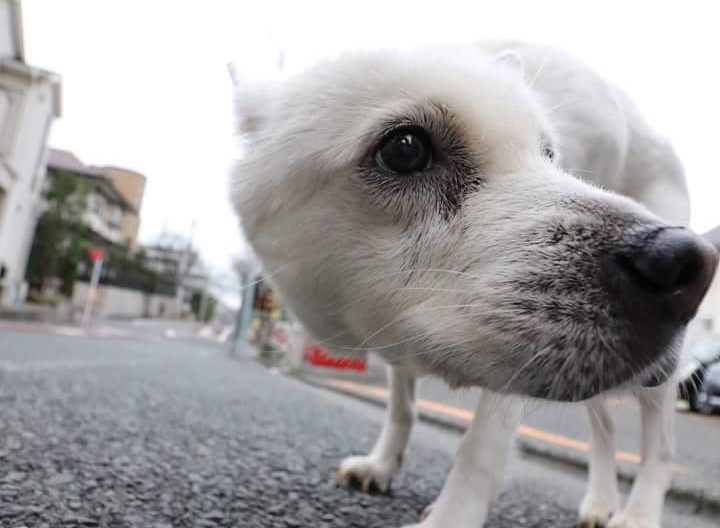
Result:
<point x="145" y="84"/>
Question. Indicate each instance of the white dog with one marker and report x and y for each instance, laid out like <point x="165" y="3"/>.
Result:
<point x="455" y="210"/>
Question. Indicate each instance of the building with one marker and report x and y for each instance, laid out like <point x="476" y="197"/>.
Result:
<point x="29" y="102"/>
<point x="131" y="185"/>
<point x="177" y="260"/>
<point x="110" y="214"/>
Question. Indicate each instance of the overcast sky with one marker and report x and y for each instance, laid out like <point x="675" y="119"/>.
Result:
<point x="145" y="84"/>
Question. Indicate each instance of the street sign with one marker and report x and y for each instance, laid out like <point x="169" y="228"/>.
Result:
<point x="96" y="253"/>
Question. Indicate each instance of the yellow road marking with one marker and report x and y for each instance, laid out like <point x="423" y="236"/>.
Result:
<point x="465" y="415"/>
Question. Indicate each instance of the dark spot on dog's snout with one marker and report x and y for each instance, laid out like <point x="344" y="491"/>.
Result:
<point x="620" y="290"/>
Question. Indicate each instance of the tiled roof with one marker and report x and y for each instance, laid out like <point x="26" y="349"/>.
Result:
<point x="66" y="160"/>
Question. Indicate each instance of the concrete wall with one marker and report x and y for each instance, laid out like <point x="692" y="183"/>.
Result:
<point x="122" y="302"/>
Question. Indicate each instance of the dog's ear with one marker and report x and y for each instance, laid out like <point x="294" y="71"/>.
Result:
<point x="510" y="58"/>
<point x="252" y="103"/>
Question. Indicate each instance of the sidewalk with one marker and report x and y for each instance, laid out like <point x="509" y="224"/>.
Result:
<point x="36" y="313"/>
<point x="559" y="431"/>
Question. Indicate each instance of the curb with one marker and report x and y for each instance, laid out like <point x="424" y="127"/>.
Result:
<point x="702" y="500"/>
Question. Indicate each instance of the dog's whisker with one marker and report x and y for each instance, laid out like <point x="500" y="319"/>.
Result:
<point x="396" y="320"/>
<point x="535" y="77"/>
<point x="564" y="103"/>
<point x="400" y="289"/>
<point x="603" y="428"/>
<point x="538" y="356"/>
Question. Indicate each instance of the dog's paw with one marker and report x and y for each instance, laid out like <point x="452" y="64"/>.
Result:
<point x="425" y="523"/>
<point x="629" y="520"/>
<point x="596" y="512"/>
<point x="366" y="473"/>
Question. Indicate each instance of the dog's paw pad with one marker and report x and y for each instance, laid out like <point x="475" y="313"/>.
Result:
<point x="625" y="520"/>
<point x="366" y="473"/>
<point x="426" y="511"/>
<point x="591" y="522"/>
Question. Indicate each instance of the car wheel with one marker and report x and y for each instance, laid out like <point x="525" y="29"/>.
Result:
<point x="704" y="405"/>
<point x="693" y="400"/>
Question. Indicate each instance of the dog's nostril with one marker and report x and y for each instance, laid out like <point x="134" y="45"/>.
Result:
<point x="688" y="272"/>
<point x="672" y="261"/>
<point x="665" y="263"/>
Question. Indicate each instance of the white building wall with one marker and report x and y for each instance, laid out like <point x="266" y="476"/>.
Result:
<point x="7" y="40"/>
<point x="29" y="100"/>
<point x="98" y="223"/>
<point x="22" y="171"/>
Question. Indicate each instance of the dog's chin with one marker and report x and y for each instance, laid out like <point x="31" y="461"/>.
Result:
<point x="632" y="369"/>
<point x="569" y="394"/>
<point x="655" y="379"/>
<point x="660" y="372"/>
<point x="578" y="390"/>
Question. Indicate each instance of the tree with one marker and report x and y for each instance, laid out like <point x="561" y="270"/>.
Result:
<point x="203" y="305"/>
<point x="60" y="242"/>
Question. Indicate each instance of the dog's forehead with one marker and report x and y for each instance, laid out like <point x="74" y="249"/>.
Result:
<point x="356" y="95"/>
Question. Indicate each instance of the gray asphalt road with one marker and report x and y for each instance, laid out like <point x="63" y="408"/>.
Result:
<point x="170" y="433"/>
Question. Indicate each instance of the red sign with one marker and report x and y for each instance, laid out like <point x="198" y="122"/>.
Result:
<point x="322" y="357"/>
<point x="96" y="253"/>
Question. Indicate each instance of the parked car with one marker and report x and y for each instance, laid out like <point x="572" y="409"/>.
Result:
<point x="704" y="353"/>
<point x="709" y="393"/>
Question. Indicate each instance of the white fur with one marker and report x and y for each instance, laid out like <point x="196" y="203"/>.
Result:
<point x="431" y="279"/>
<point x="386" y="457"/>
<point x="477" y="474"/>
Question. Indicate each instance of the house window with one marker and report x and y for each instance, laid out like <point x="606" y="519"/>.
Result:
<point x="4" y="107"/>
<point x="2" y="206"/>
<point x="117" y="215"/>
<point x="9" y="109"/>
<point x="93" y="203"/>
<point x="39" y="171"/>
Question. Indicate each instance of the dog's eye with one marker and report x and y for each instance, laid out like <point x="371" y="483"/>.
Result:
<point x="404" y="150"/>
<point x="549" y="153"/>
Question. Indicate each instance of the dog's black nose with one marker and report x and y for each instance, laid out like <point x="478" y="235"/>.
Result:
<point x="672" y="262"/>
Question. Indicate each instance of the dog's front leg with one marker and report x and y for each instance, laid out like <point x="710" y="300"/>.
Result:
<point x="645" y="504"/>
<point x="602" y="498"/>
<point x="377" y="468"/>
<point x="479" y="467"/>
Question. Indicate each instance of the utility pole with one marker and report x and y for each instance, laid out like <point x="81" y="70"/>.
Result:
<point x="97" y="256"/>
<point x="184" y="269"/>
<point x="204" y="300"/>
